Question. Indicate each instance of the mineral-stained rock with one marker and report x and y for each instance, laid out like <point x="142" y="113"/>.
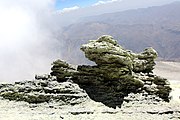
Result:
<point x="108" y="55"/>
<point x="44" y="90"/>
<point x="61" y="70"/>
<point x="144" y="62"/>
<point x="105" y="50"/>
<point x="117" y="73"/>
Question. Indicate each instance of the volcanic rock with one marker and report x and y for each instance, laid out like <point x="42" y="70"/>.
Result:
<point x="117" y="73"/>
<point x="44" y="90"/>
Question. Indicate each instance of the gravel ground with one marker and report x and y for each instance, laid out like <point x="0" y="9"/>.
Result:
<point x="90" y="110"/>
<point x="171" y="71"/>
<point x="10" y="110"/>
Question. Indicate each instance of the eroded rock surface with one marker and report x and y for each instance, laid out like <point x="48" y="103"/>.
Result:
<point x="117" y="72"/>
<point x="44" y="88"/>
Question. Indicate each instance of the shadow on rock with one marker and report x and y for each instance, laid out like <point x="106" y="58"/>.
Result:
<point x="117" y="73"/>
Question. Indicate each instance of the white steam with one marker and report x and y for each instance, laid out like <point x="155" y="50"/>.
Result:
<point x="28" y="42"/>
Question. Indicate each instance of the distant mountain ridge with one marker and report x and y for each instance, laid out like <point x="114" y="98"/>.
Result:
<point x="136" y="29"/>
<point x="152" y="15"/>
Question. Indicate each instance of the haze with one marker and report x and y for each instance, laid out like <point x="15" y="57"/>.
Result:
<point x="27" y="38"/>
<point x="29" y="29"/>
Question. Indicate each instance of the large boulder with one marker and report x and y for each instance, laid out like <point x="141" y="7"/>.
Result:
<point x="105" y="51"/>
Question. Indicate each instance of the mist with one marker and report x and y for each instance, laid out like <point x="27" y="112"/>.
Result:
<point x="30" y="33"/>
<point x="28" y="38"/>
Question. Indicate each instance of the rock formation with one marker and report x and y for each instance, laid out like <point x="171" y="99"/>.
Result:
<point x="62" y="70"/>
<point x="44" y="88"/>
<point x="117" y="73"/>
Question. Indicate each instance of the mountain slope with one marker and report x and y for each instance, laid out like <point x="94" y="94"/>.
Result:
<point x="166" y="14"/>
<point x="158" y="27"/>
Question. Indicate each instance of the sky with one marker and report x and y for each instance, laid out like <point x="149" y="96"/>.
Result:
<point x="29" y="30"/>
<point x="84" y="8"/>
<point x="68" y="5"/>
<point x="60" y="4"/>
<point x="78" y="9"/>
<point x="64" y="4"/>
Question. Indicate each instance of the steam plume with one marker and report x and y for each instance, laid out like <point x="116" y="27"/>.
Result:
<point x="28" y="42"/>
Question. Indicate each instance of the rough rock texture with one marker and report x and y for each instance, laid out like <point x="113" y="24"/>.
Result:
<point x="106" y="52"/>
<point x="144" y="61"/>
<point x="62" y="70"/>
<point x="117" y="72"/>
<point x="44" y="89"/>
<point x="139" y="107"/>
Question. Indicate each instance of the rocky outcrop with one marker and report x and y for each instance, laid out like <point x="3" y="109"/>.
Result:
<point x="44" y="88"/>
<point x="106" y="52"/>
<point x="117" y="72"/>
<point x="62" y="70"/>
<point x="144" y="61"/>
